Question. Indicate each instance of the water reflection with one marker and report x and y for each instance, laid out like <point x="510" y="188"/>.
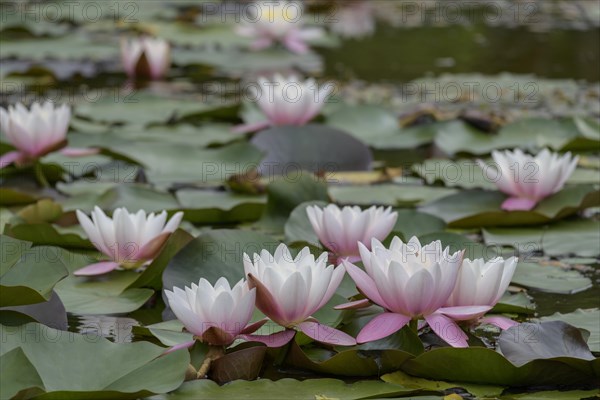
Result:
<point x="116" y="329"/>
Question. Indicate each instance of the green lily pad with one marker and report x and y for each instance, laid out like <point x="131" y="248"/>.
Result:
<point x="137" y="370"/>
<point x="28" y="275"/>
<point x="51" y="313"/>
<point x="583" y="319"/>
<point x="379" y="128"/>
<point x="298" y="227"/>
<point x="550" y="279"/>
<point x="479" y="208"/>
<point x="218" y="207"/>
<point x="387" y="194"/>
<point x="215" y="254"/>
<point x="518" y="303"/>
<point x="579" y="237"/>
<point x="291" y="389"/>
<point x="315" y="148"/>
<point x="74" y="47"/>
<point x="465" y="365"/>
<point x="400" y="378"/>
<point x="105" y="294"/>
<point x="48" y="235"/>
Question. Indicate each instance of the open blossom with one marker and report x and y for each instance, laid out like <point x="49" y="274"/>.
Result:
<point x="410" y="282"/>
<point x="482" y="283"/>
<point x="289" y="290"/>
<point x="129" y="240"/>
<point x="145" y="57"/>
<point x="354" y="20"/>
<point x="527" y="179"/>
<point x="215" y="315"/>
<point x="34" y="132"/>
<point x="269" y="23"/>
<point x="288" y="101"/>
<point x="340" y="230"/>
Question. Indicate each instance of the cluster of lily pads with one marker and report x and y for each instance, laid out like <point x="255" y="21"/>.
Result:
<point x="292" y="171"/>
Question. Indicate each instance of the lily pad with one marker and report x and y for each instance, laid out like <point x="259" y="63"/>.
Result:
<point x="291" y="389"/>
<point x="479" y="208"/>
<point x="315" y="148"/>
<point x="379" y="128"/>
<point x="579" y="237"/>
<point x="56" y="356"/>
<point x="387" y="194"/>
<point x="219" y="207"/>
<point x="215" y="254"/>
<point x="28" y="275"/>
<point x="298" y="227"/>
<point x="584" y="319"/>
<point x="551" y="279"/>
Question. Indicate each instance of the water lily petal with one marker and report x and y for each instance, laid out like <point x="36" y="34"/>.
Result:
<point x="381" y="326"/>
<point x="326" y="334"/>
<point x="97" y="269"/>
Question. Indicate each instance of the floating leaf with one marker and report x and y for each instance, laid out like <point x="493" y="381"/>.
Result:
<point x="551" y="279"/>
<point x="583" y="319"/>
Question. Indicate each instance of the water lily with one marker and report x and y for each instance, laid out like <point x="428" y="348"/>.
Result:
<point x="268" y="23"/>
<point x="482" y="283"/>
<point x="340" y="230"/>
<point x="287" y="101"/>
<point x="130" y="240"/>
<point x="528" y="179"/>
<point x="354" y="20"/>
<point x="34" y="132"/>
<point x="289" y="290"/>
<point x="145" y="57"/>
<point x="411" y="282"/>
<point x="215" y="315"/>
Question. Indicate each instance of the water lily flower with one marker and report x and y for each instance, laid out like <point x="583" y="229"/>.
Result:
<point x="129" y="240"/>
<point x="36" y="132"/>
<point x="482" y="283"/>
<point x="145" y="57"/>
<point x="268" y="23"/>
<point x="287" y="101"/>
<point x="289" y="290"/>
<point x="340" y="230"/>
<point x="354" y="20"/>
<point x="410" y="282"/>
<point x="215" y="315"/>
<point x="527" y="179"/>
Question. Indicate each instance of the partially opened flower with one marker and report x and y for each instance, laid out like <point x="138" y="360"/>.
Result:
<point x="215" y="315"/>
<point x="340" y="230"/>
<point x="34" y="132"/>
<point x="270" y="22"/>
<point x="410" y="282"/>
<point x="482" y="283"/>
<point x="354" y="20"/>
<point x="527" y="179"/>
<point x="289" y="290"/>
<point x="288" y="101"/>
<point x="129" y="240"/>
<point x="145" y="57"/>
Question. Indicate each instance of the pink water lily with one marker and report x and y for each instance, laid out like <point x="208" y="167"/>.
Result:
<point x="287" y="101"/>
<point x="340" y="230"/>
<point x="129" y="240"/>
<point x="215" y="315"/>
<point x="289" y="290"/>
<point x="269" y="23"/>
<point x="36" y="132"/>
<point x="482" y="283"/>
<point x="145" y="57"/>
<point x="410" y="282"/>
<point x="528" y="179"/>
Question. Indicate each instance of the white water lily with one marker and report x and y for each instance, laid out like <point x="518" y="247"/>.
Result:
<point x="528" y="179"/>
<point x="145" y="57"/>
<point x="33" y="132"/>
<point x="215" y="315"/>
<point x="482" y="283"/>
<point x="128" y="239"/>
<point x="288" y="101"/>
<point x="289" y="290"/>
<point x="271" y="22"/>
<point x="410" y="282"/>
<point x="340" y="230"/>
